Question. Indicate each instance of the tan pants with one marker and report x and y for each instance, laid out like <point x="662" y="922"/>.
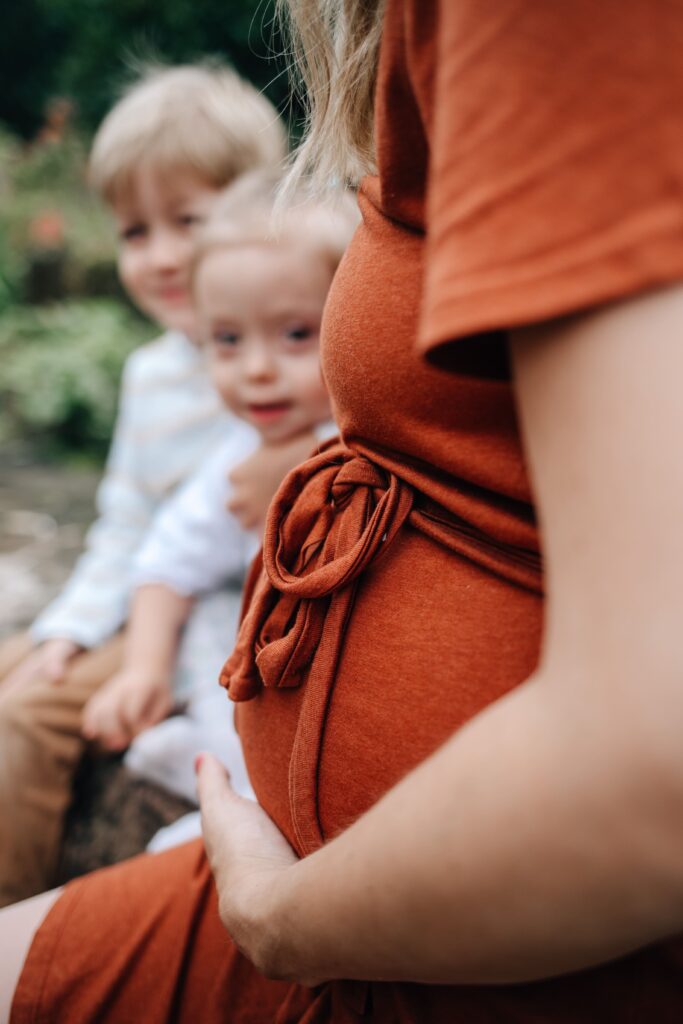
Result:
<point x="40" y="749"/>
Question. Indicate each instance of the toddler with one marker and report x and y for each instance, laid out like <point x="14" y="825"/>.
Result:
<point x="160" y="159"/>
<point x="260" y="292"/>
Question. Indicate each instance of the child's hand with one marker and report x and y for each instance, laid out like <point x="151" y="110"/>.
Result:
<point x="255" y="481"/>
<point x="129" y="703"/>
<point x="49" y="661"/>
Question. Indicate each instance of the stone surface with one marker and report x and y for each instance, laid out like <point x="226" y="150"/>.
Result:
<point x="44" y="514"/>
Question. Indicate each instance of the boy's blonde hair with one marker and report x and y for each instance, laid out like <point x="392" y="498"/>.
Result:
<point x="202" y="118"/>
<point x="248" y="213"/>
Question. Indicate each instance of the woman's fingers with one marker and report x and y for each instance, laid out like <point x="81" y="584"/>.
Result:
<point x="215" y="794"/>
<point x="249" y="857"/>
<point x="240" y="838"/>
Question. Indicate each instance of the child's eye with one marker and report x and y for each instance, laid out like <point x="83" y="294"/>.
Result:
<point x="189" y="220"/>
<point x="226" y="338"/>
<point x="132" y="232"/>
<point x="298" y="333"/>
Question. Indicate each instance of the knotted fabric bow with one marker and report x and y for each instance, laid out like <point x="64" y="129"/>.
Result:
<point x="329" y="520"/>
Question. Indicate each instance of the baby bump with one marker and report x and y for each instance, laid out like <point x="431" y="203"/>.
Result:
<point x="429" y="639"/>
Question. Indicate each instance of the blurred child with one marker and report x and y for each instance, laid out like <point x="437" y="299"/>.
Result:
<point x="260" y="292"/>
<point x="159" y="160"/>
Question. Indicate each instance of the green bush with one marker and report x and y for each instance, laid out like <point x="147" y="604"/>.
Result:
<point x="46" y="208"/>
<point x="60" y="367"/>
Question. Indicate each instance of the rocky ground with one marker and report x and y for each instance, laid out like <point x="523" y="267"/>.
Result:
<point x="44" y="513"/>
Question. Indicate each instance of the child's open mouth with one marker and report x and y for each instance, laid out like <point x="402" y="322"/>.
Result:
<point x="174" y="294"/>
<point x="267" y="413"/>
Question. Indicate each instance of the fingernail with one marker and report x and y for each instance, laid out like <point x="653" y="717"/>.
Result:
<point x="198" y="762"/>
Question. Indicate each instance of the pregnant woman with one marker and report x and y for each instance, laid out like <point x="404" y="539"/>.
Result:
<point x="468" y="760"/>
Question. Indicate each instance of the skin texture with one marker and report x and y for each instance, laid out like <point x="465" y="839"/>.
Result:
<point x="563" y="851"/>
<point x="157" y="224"/>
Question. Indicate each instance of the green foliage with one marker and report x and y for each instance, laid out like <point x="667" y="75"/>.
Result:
<point x="60" y="367"/>
<point x="81" y="49"/>
<point x="59" y="364"/>
<point x="47" y="215"/>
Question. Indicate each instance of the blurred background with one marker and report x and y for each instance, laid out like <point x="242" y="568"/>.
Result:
<point x="65" y="326"/>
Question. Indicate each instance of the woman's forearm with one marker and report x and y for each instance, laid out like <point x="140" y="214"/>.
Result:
<point x="529" y="845"/>
<point x="156" y="620"/>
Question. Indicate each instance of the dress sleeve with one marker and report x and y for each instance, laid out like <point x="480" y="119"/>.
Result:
<point x="555" y="161"/>
<point x="93" y="604"/>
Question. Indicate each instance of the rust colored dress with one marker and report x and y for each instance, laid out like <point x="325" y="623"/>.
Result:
<point x="530" y="164"/>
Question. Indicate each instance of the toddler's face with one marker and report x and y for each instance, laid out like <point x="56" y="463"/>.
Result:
<point x="260" y="308"/>
<point x="157" y="223"/>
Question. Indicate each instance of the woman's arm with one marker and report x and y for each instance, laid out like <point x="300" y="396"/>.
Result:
<point x="545" y="836"/>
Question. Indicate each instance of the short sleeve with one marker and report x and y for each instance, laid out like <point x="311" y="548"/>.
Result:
<point x="555" y="161"/>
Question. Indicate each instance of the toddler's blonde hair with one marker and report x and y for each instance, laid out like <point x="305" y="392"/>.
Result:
<point x="248" y="213"/>
<point x="201" y="118"/>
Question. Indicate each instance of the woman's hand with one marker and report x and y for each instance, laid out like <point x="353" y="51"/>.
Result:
<point x="251" y="861"/>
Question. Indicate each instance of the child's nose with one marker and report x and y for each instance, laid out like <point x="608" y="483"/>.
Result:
<point x="259" y="363"/>
<point x="165" y="250"/>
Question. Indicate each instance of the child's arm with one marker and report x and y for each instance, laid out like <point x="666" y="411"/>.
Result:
<point x="140" y="695"/>
<point x="193" y="546"/>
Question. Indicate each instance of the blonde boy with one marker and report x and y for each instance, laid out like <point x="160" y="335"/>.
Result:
<point x="159" y="160"/>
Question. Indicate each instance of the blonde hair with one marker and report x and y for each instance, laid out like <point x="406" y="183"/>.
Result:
<point x="248" y="213"/>
<point x="334" y="49"/>
<point x="202" y="118"/>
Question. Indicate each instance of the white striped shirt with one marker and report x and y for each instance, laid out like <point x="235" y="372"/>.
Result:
<point x="170" y="418"/>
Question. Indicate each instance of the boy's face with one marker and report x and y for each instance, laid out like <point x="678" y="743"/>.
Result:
<point x="260" y="308"/>
<point x="157" y="222"/>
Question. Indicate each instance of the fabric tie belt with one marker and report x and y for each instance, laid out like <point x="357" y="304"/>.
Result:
<point x="331" y="518"/>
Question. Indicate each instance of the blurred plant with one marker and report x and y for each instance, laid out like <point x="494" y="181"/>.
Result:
<point x="46" y="205"/>
<point x="11" y="264"/>
<point x="80" y="49"/>
<point x="59" y="373"/>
